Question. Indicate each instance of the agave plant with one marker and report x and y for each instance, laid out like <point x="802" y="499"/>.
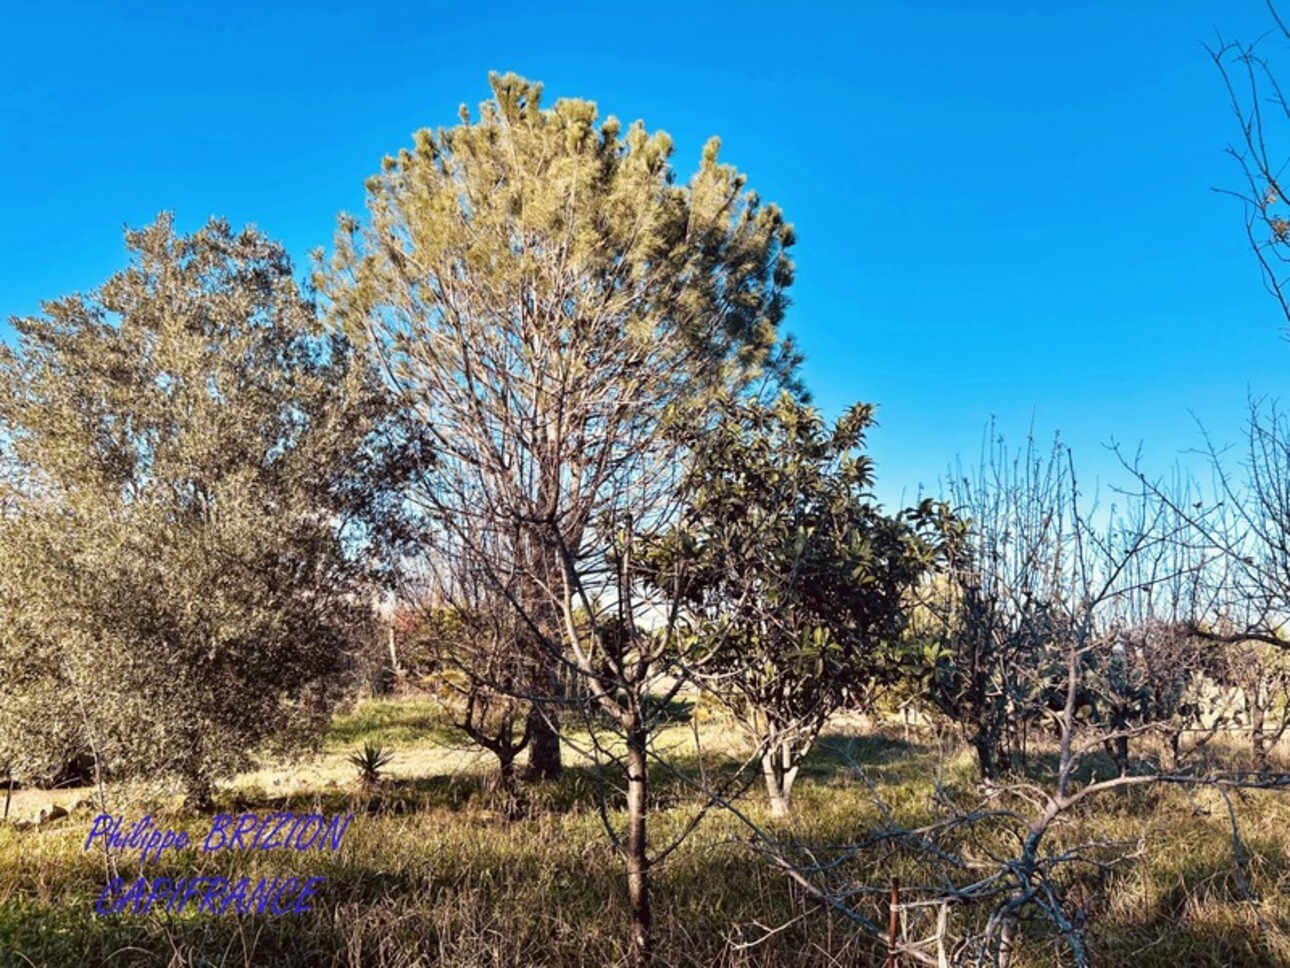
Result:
<point x="370" y="762"/>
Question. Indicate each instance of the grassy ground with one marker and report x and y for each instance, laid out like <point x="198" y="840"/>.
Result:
<point x="432" y="872"/>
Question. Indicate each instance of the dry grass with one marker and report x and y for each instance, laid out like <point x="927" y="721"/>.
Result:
<point x="432" y="873"/>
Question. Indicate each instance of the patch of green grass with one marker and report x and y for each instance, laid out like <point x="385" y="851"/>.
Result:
<point x="391" y="722"/>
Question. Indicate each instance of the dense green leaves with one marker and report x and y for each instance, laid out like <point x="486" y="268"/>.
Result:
<point x="792" y="579"/>
<point x="197" y="495"/>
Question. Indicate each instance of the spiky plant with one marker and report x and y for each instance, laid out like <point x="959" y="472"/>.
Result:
<point x="369" y="762"/>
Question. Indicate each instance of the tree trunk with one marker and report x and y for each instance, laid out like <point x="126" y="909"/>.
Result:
<point x="198" y="794"/>
<point x="1121" y="754"/>
<point x="544" y="743"/>
<point x="637" y="847"/>
<point x="1007" y="941"/>
<point x="1258" y="739"/>
<point x="543" y="645"/>
<point x="985" y="757"/>
<point x="396" y="669"/>
<point x="775" y="791"/>
<point x="506" y="765"/>
<point x="779" y="772"/>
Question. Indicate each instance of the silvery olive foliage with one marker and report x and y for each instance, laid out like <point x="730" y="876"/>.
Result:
<point x="197" y="500"/>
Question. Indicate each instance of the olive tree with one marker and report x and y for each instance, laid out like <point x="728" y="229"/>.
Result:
<point x="196" y="505"/>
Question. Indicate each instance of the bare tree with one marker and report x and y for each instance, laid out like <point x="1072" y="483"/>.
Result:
<point x="469" y="633"/>
<point x="631" y="662"/>
<point x="1002" y="603"/>
<point x="1262" y="149"/>
<point x="1078" y="587"/>
<point x="1239" y="529"/>
<point x="1262" y="674"/>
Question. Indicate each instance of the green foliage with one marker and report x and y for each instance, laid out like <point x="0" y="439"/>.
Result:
<point x="194" y="500"/>
<point x="785" y="564"/>
<point x="539" y="290"/>
<point x="369" y="762"/>
<point x="791" y="579"/>
<point x="575" y="238"/>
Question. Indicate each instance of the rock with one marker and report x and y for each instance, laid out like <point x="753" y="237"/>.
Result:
<point x="50" y="814"/>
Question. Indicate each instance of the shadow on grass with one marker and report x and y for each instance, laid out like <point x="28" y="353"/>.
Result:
<point x="63" y="929"/>
<point x="1205" y="916"/>
<point x="393" y="795"/>
<point x="533" y="902"/>
<point x="676" y="776"/>
<point x="840" y="753"/>
<point x="1094" y="765"/>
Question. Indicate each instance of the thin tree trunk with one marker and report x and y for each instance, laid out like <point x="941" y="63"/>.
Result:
<point x="985" y="757"/>
<point x="1258" y="739"/>
<point x="778" y="803"/>
<point x="198" y="794"/>
<point x="776" y="788"/>
<point x="1007" y="941"/>
<point x="506" y="763"/>
<point x="396" y="669"/>
<point x="1122" y="753"/>
<point x="544" y="743"/>
<point x="637" y="847"/>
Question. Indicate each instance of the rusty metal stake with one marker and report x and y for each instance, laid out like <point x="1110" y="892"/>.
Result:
<point x="893" y="915"/>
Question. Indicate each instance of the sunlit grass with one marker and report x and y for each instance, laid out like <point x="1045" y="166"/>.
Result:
<point x="432" y="871"/>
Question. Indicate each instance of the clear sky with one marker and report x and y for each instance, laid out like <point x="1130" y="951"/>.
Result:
<point x="1003" y="209"/>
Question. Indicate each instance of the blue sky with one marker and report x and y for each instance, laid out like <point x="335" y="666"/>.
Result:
<point x="1003" y="209"/>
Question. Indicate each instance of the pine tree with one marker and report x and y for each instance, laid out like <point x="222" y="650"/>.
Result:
<point x="541" y="293"/>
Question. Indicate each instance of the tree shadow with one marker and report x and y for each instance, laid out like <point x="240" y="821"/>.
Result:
<point x="676" y="776"/>
<point x="1210" y="914"/>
